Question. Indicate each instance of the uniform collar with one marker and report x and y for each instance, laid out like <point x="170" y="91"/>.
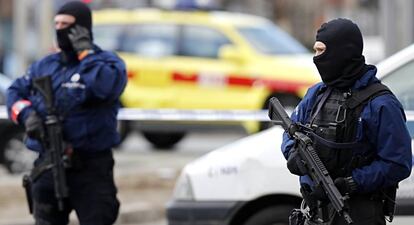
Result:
<point x="366" y="79"/>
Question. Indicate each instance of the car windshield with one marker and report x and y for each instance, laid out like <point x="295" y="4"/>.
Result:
<point x="270" y="40"/>
<point x="401" y="83"/>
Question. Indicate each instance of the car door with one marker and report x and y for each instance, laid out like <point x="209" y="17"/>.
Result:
<point x="146" y="48"/>
<point x="401" y="83"/>
<point x="201" y="78"/>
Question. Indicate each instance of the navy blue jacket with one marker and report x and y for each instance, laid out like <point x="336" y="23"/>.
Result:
<point x="382" y="125"/>
<point x="86" y="96"/>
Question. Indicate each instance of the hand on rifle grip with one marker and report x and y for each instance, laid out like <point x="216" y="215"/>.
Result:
<point x="34" y="126"/>
<point x="295" y="164"/>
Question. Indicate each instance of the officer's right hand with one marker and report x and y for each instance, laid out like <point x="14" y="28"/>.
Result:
<point x="318" y="193"/>
<point x="34" y="126"/>
<point x="345" y="185"/>
<point x="80" y="38"/>
<point x="295" y="164"/>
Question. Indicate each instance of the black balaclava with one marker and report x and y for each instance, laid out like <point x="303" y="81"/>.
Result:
<point x="83" y="17"/>
<point x="342" y="63"/>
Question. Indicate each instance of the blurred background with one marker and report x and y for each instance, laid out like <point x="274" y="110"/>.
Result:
<point x="26" y="25"/>
<point x="148" y="165"/>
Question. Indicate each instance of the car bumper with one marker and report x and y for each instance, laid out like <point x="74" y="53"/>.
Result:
<point x="200" y="213"/>
<point x="405" y="207"/>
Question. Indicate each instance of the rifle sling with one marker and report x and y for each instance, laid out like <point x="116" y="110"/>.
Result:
<point x="332" y="144"/>
<point x="321" y="103"/>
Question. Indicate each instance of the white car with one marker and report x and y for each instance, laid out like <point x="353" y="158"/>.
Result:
<point x="247" y="182"/>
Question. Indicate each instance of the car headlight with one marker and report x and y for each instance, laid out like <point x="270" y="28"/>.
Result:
<point x="183" y="189"/>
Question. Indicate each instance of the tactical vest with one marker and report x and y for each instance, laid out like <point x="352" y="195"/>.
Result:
<point x="334" y="120"/>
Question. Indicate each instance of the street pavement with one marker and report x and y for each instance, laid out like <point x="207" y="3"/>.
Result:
<point x="145" y="177"/>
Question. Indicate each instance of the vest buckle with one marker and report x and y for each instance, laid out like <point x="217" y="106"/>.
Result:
<point x="340" y="117"/>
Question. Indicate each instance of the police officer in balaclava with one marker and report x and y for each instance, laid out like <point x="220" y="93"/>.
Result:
<point x="86" y="83"/>
<point x="358" y="129"/>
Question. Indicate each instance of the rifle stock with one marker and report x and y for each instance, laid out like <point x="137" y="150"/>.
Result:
<point x="315" y="167"/>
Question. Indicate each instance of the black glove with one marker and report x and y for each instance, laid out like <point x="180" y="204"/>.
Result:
<point x="295" y="164"/>
<point x="345" y="185"/>
<point x="310" y="200"/>
<point x="34" y="126"/>
<point x="80" y="38"/>
<point x="318" y="193"/>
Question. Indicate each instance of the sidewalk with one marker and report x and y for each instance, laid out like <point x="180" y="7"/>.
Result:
<point x="142" y="194"/>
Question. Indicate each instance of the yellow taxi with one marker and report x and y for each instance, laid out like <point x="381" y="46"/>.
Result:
<point x="203" y="60"/>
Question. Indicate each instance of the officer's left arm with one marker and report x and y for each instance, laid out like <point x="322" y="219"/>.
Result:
<point x="288" y="142"/>
<point x="385" y="128"/>
<point x="104" y="76"/>
<point x="18" y="104"/>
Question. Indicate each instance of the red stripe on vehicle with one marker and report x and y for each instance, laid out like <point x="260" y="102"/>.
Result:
<point x="240" y="81"/>
<point x="184" y="77"/>
<point x="234" y="80"/>
<point x="286" y="86"/>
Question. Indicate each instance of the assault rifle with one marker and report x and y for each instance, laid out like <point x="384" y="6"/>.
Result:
<point x="53" y="143"/>
<point x="314" y="166"/>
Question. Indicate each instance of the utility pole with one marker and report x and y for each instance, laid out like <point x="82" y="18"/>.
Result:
<point x="397" y="29"/>
<point x="45" y="23"/>
<point x="19" y="36"/>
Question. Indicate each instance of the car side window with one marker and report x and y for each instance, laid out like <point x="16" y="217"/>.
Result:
<point x="107" y="36"/>
<point x="145" y="40"/>
<point x="199" y="41"/>
<point x="150" y="40"/>
<point x="401" y="83"/>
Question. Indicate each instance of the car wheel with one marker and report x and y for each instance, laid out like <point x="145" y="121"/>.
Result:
<point x="289" y="102"/>
<point x="15" y="156"/>
<point x="275" y="215"/>
<point x="163" y="140"/>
